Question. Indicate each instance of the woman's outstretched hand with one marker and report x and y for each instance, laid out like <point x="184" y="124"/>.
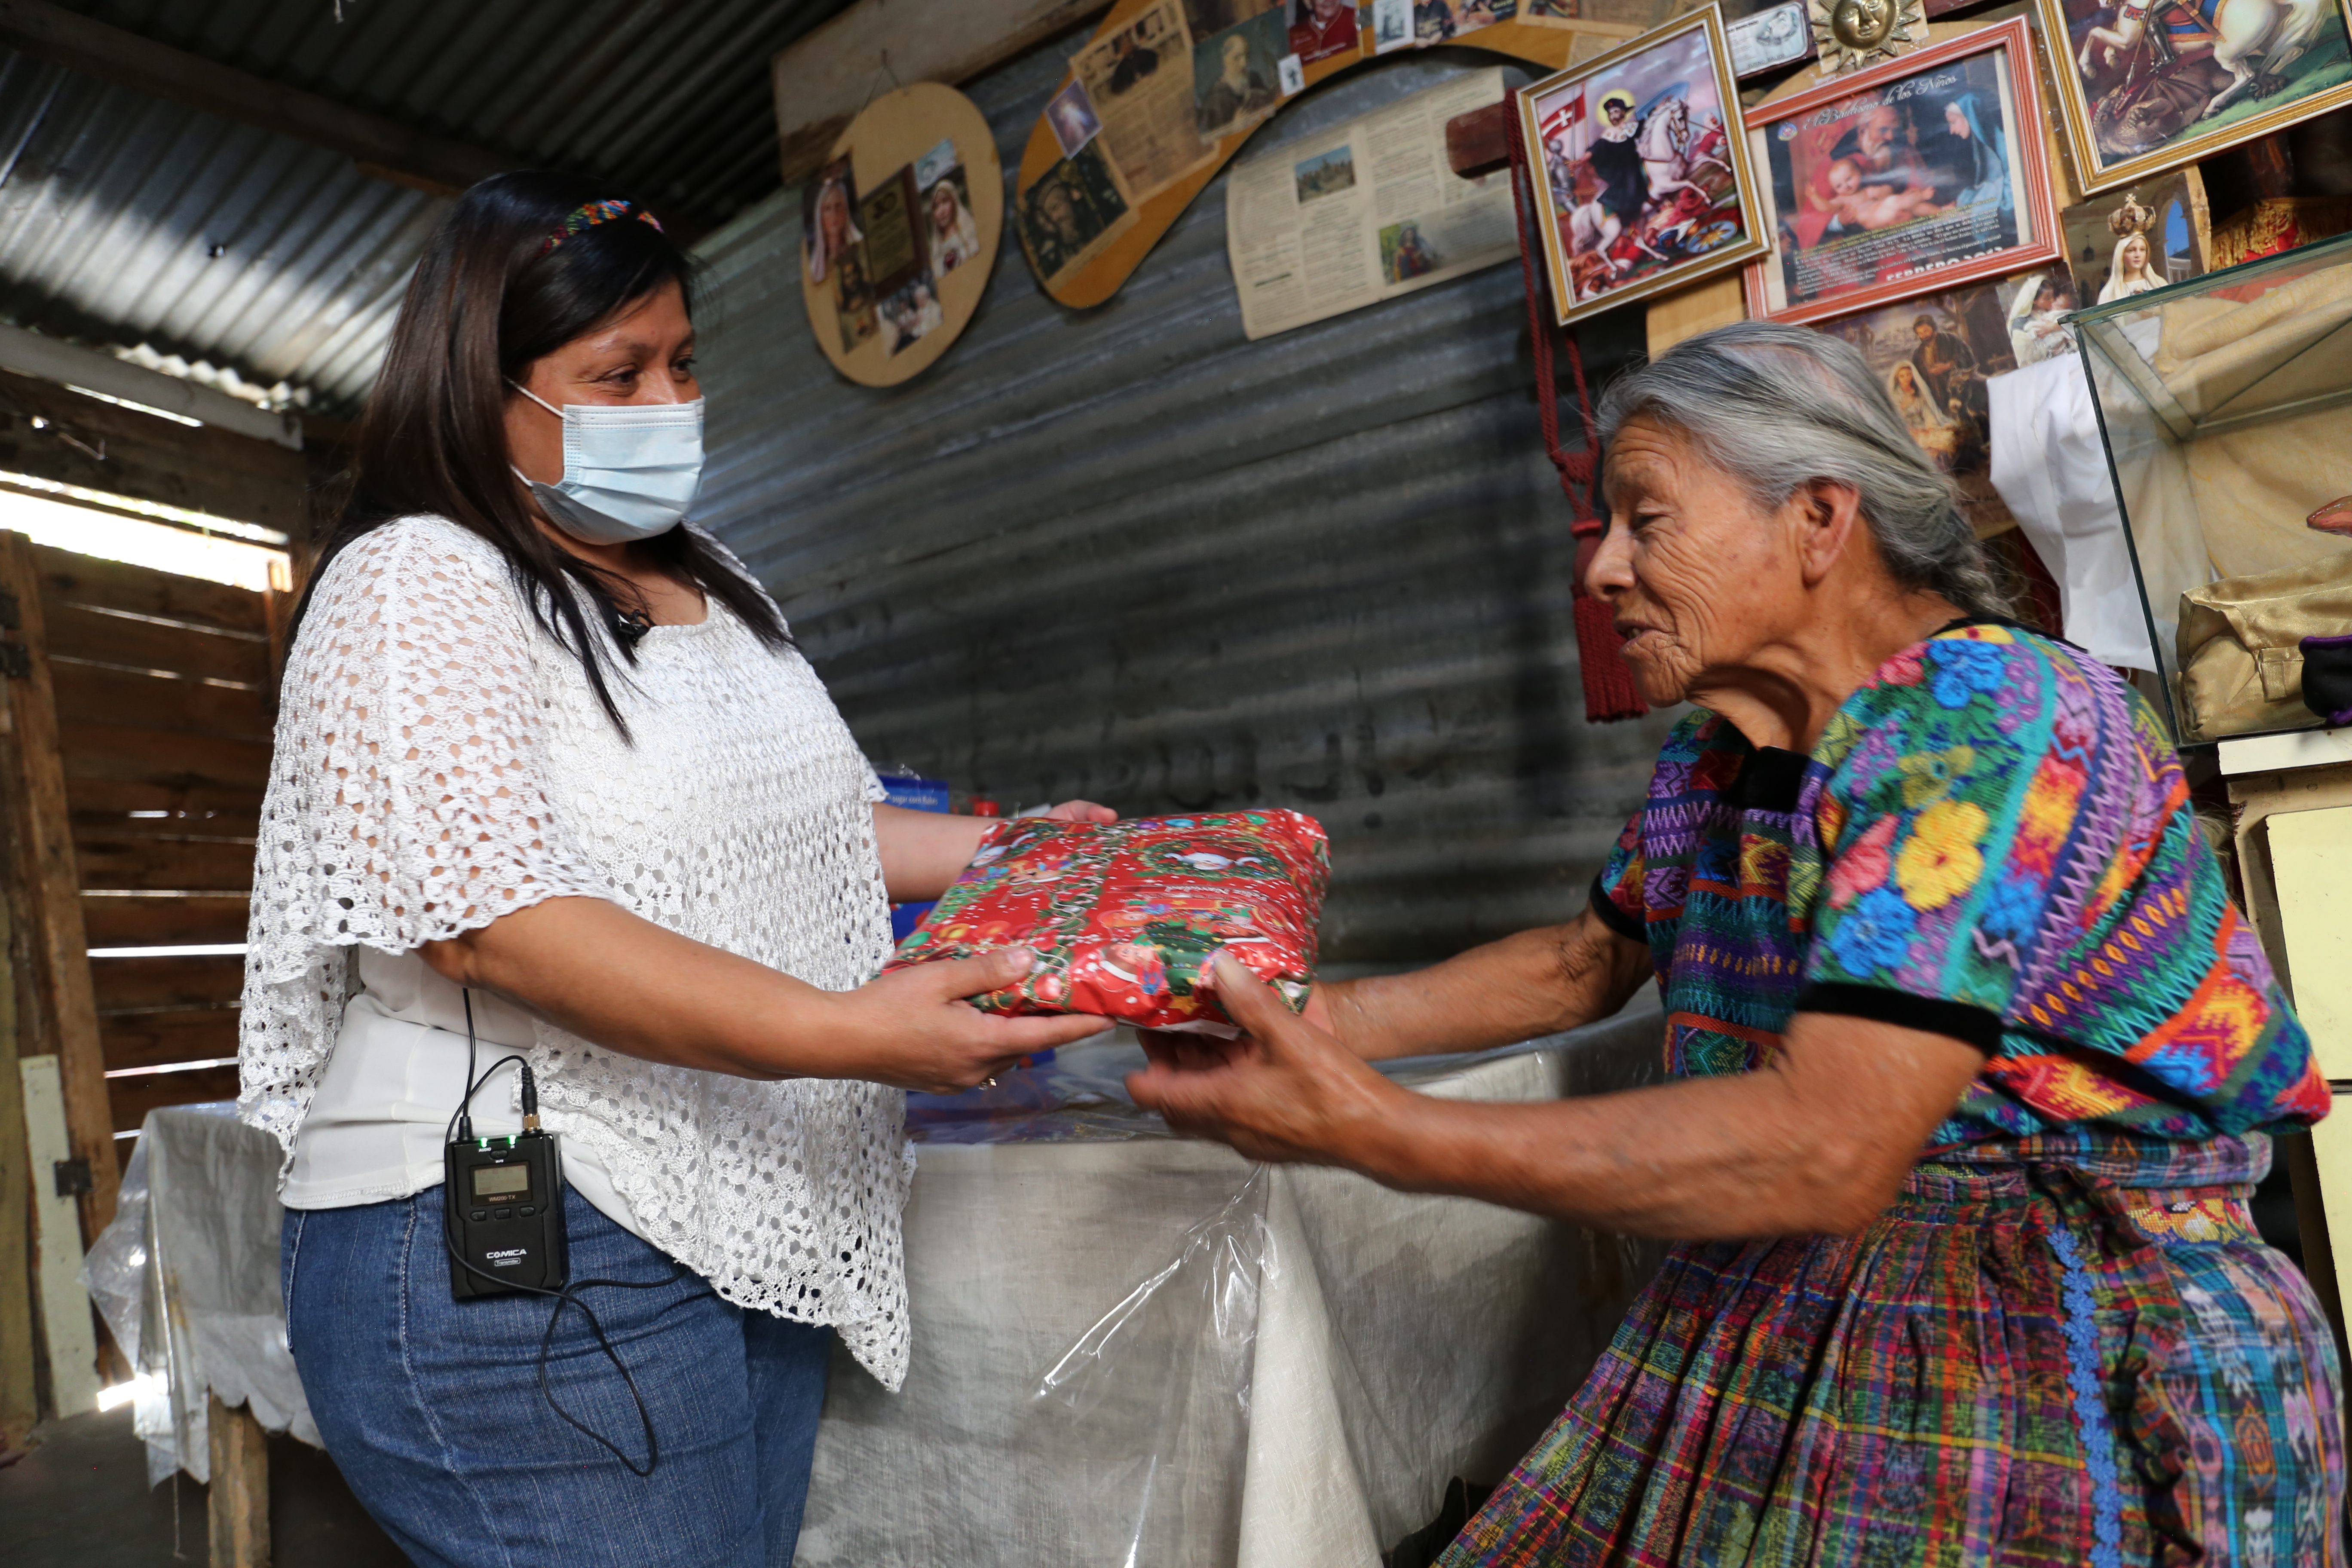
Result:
<point x="1285" y="1091"/>
<point x="913" y="1029"/>
<point x="1082" y="811"/>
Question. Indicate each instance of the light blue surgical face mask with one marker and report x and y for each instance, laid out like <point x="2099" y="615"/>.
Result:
<point x="630" y="470"/>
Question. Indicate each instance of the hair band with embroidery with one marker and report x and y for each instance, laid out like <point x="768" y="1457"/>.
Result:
<point x="590" y="214"/>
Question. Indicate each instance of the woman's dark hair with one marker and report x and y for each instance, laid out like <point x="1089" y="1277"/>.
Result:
<point x="487" y="298"/>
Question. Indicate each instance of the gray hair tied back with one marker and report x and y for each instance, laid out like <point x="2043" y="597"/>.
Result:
<point x="1778" y="407"/>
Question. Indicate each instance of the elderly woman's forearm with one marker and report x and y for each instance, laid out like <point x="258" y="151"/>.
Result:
<point x="1817" y="1141"/>
<point x="1532" y="984"/>
<point x="1651" y="1162"/>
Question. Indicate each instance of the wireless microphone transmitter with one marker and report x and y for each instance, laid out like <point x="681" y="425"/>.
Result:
<point x="504" y="1201"/>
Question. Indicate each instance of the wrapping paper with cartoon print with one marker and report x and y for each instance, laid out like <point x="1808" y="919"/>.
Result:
<point x="1123" y="915"/>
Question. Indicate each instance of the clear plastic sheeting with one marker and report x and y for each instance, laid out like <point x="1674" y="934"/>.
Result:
<point x="1150" y="1352"/>
<point x="186" y="1277"/>
<point x="1129" y="1348"/>
<point x="1169" y="1364"/>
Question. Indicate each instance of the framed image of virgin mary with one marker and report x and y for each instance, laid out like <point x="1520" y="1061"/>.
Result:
<point x="2148" y="85"/>
<point x="1921" y="174"/>
<point x="1643" y="180"/>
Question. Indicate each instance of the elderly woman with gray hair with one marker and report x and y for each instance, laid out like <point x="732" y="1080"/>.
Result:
<point x="1977" y="1063"/>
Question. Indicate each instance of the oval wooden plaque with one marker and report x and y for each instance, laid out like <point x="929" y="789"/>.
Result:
<point x="901" y="287"/>
<point x="1095" y="275"/>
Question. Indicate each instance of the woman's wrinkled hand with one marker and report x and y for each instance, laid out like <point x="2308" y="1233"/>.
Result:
<point x="1285" y="1091"/>
<point x="1082" y="811"/>
<point x="913" y="1029"/>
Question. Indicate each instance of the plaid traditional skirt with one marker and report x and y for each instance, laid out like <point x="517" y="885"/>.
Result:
<point x="2045" y="1353"/>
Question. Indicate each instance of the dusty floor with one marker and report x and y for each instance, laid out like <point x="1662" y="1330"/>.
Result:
<point x="81" y="1500"/>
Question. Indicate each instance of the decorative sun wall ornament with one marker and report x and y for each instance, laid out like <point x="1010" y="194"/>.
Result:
<point x="1850" y="33"/>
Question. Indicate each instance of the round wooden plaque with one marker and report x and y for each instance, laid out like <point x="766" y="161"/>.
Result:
<point x="896" y="286"/>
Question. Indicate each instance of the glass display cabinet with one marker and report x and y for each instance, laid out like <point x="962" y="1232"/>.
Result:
<point x="2226" y="406"/>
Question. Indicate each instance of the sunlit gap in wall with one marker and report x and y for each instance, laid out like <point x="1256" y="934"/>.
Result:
<point x="143" y="533"/>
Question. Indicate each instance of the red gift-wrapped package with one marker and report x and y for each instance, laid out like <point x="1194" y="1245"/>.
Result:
<point x="1123" y="915"/>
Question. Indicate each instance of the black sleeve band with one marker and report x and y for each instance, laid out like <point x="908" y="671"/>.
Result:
<point x="1979" y="1026"/>
<point x="1615" y="918"/>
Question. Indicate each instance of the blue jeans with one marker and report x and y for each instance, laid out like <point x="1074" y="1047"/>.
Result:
<point x="432" y="1407"/>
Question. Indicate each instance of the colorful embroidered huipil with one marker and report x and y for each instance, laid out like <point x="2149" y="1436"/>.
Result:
<point x="2064" y="1342"/>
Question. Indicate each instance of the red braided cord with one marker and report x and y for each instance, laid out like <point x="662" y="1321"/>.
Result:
<point x="1609" y="690"/>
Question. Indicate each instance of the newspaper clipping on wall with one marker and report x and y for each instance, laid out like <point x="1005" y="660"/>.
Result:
<point x="1364" y="212"/>
<point x="1139" y="78"/>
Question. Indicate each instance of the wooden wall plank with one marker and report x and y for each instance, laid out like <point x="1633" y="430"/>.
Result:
<point x="20" y="1400"/>
<point x="163" y="1039"/>
<point x="70" y="579"/>
<point x="126" y="754"/>
<point x="195" y="806"/>
<point x="76" y="632"/>
<point x="128" y="984"/>
<point x="821" y="79"/>
<point x="236" y="1504"/>
<point x="203" y="468"/>
<point x="137" y="921"/>
<point x="165" y="864"/>
<point x="156" y="702"/>
<point x="135" y="1097"/>
<point x="53" y="904"/>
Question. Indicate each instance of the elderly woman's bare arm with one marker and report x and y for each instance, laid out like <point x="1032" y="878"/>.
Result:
<point x="1536" y="982"/>
<point x="1817" y="1141"/>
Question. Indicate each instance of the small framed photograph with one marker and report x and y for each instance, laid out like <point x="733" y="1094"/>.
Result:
<point x="1768" y="39"/>
<point x="2148" y="85"/>
<point x="1935" y="352"/>
<point x="1071" y="113"/>
<point x="1643" y="183"/>
<point x="2127" y="242"/>
<point x="1922" y="173"/>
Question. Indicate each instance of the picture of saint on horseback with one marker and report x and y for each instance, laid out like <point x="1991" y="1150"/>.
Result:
<point x="1921" y="174"/>
<point x="2151" y="84"/>
<point x="1640" y="173"/>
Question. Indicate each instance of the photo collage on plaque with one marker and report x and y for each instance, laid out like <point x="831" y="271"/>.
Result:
<point x="881" y="253"/>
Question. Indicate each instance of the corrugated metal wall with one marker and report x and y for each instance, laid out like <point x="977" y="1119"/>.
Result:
<point x="1128" y="555"/>
<point x="128" y="219"/>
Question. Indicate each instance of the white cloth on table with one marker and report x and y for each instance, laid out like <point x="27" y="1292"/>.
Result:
<point x="1241" y="1367"/>
<point x="443" y="760"/>
<point x="1255" y="1368"/>
<point x="187" y="1279"/>
<point x="2050" y="468"/>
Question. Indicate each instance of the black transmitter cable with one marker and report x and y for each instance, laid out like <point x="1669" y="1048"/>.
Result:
<point x="503" y="1225"/>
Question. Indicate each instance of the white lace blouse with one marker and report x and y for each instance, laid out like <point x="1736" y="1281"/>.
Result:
<point x="442" y="761"/>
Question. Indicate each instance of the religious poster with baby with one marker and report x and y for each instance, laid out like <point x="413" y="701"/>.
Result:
<point x="1643" y="180"/>
<point x="1922" y="173"/>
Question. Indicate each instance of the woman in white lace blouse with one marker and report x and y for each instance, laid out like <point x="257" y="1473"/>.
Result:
<point x="550" y="771"/>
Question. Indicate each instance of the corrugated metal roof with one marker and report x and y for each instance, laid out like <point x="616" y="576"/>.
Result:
<point x="127" y="219"/>
<point x="1127" y="554"/>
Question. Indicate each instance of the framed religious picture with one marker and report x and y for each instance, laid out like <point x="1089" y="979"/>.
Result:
<point x="2143" y="236"/>
<point x="1925" y="173"/>
<point x="1642" y="183"/>
<point x="2150" y="85"/>
<point x="1935" y="352"/>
